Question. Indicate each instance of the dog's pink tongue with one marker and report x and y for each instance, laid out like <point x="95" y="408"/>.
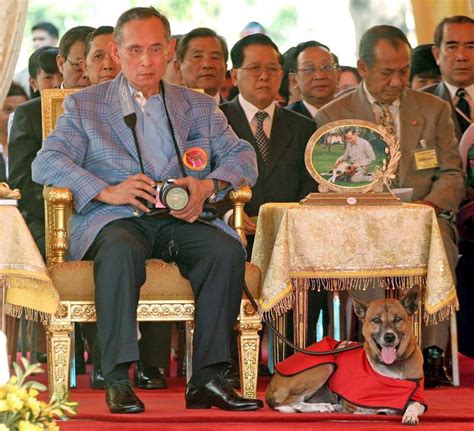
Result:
<point x="389" y="354"/>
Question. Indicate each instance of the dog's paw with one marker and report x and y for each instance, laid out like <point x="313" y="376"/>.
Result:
<point x="285" y="409"/>
<point x="409" y="419"/>
<point x="413" y="411"/>
<point x="313" y="407"/>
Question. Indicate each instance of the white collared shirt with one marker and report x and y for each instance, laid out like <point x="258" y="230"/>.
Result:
<point x="394" y="108"/>
<point x="470" y="91"/>
<point x="311" y="108"/>
<point x="250" y="111"/>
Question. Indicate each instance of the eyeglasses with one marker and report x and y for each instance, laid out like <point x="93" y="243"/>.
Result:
<point x="75" y="66"/>
<point x="258" y="70"/>
<point x="325" y="68"/>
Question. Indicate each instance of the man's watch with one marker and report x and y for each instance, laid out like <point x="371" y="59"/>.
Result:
<point x="215" y="191"/>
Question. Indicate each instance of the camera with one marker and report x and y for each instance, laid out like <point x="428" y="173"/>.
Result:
<point x="172" y="196"/>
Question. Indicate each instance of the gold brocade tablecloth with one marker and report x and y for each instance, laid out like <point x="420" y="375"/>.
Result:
<point x="22" y="270"/>
<point x="345" y="247"/>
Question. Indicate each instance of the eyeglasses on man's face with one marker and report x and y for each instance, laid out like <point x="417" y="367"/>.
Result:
<point x="272" y="70"/>
<point x="75" y="66"/>
<point x="325" y="68"/>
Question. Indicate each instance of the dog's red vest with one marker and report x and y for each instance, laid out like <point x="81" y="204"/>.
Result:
<point x="354" y="379"/>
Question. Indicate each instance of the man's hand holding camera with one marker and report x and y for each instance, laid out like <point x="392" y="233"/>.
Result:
<point x="130" y="191"/>
<point x="199" y="192"/>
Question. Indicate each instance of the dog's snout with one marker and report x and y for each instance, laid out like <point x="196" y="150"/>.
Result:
<point x="389" y="337"/>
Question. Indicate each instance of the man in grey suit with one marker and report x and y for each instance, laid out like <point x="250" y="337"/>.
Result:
<point x="110" y="147"/>
<point x="454" y="53"/>
<point x="423" y="123"/>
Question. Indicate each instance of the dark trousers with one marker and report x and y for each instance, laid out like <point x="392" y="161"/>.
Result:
<point x="213" y="261"/>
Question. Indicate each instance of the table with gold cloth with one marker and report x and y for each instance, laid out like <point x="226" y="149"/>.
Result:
<point x="23" y="274"/>
<point x="299" y="247"/>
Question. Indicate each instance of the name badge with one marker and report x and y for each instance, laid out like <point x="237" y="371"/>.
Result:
<point x="426" y="159"/>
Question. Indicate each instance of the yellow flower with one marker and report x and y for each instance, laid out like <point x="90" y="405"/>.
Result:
<point x="14" y="402"/>
<point x="34" y="405"/>
<point x="51" y="427"/>
<point x="32" y="392"/>
<point x="13" y="379"/>
<point x="28" y="426"/>
<point x="3" y="406"/>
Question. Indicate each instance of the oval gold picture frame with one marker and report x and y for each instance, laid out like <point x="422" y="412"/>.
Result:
<point x="352" y="156"/>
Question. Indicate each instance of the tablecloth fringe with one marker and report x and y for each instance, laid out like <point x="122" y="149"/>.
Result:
<point x="280" y="308"/>
<point x="362" y="283"/>
<point x="18" y="310"/>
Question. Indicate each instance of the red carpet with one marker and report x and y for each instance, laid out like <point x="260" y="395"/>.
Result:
<point x="449" y="409"/>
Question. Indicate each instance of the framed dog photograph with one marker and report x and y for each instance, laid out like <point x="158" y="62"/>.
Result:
<point x="352" y="156"/>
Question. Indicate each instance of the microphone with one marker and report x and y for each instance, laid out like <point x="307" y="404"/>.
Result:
<point x="131" y="122"/>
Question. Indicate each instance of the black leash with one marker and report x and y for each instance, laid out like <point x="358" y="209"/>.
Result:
<point x="288" y="342"/>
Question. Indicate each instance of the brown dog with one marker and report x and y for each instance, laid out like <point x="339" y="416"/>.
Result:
<point x="382" y="377"/>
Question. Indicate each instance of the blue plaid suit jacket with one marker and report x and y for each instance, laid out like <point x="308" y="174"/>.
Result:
<point x="91" y="148"/>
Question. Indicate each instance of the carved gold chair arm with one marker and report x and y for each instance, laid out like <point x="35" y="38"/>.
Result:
<point x="58" y="209"/>
<point x="239" y="198"/>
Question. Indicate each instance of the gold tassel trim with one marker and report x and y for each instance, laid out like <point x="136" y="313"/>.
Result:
<point x="279" y="308"/>
<point x="443" y="314"/>
<point x="31" y="292"/>
<point x="36" y="316"/>
<point x="336" y="284"/>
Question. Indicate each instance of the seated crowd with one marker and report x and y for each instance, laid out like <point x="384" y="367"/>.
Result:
<point x="258" y="138"/>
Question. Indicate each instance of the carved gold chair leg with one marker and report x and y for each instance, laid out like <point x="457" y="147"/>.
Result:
<point x="189" y="332"/>
<point x="58" y="346"/>
<point x="249" y="347"/>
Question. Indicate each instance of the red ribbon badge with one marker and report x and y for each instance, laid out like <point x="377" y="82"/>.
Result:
<point x="195" y="159"/>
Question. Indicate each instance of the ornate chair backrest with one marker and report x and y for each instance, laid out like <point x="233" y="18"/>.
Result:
<point x="57" y="216"/>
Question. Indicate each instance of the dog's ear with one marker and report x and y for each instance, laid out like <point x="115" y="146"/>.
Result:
<point x="411" y="300"/>
<point x="360" y="308"/>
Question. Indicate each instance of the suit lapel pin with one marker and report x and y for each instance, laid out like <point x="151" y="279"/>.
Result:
<point x="414" y="122"/>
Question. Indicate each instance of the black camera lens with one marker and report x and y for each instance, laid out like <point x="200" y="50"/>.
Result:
<point x="174" y="197"/>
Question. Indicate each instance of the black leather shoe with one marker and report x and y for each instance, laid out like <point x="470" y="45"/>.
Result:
<point x="96" y="379"/>
<point x="41" y="357"/>
<point x="80" y="365"/>
<point x="434" y="369"/>
<point x="218" y="393"/>
<point x="232" y="375"/>
<point x="121" y="398"/>
<point x="148" y="377"/>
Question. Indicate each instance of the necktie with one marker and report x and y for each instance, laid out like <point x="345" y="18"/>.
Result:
<point x="386" y="119"/>
<point x="260" y="137"/>
<point x="463" y="110"/>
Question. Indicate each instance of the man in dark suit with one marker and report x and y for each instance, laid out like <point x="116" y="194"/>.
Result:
<point x="422" y="123"/>
<point x="26" y="133"/>
<point x="454" y="53"/>
<point x="315" y="72"/>
<point x="257" y="72"/>
<point x="201" y="61"/>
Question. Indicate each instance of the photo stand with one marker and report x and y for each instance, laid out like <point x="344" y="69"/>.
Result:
<point x="354" y="163"/>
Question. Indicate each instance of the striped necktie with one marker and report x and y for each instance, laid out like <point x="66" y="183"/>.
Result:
<point x="260" y="136"/>
<point x="463" y="110"/>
